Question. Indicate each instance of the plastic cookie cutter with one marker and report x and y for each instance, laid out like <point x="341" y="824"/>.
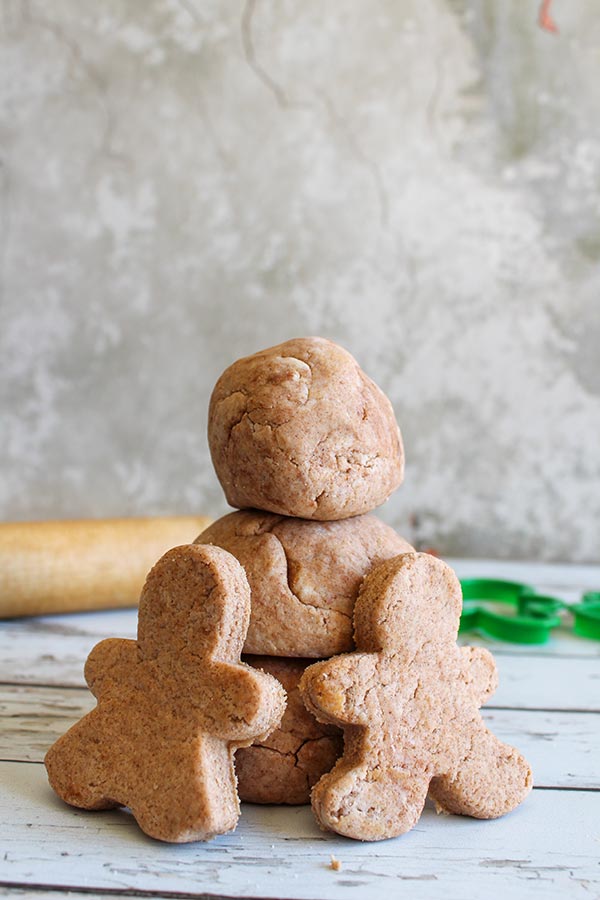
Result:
<point x="587" y="615"/>
<point x="532" y="618"/>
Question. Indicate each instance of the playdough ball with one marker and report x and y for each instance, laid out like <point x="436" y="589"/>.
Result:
<point x="300" y="430"/>
<point x="283" y="766"/>
<point x="304" y="576"/>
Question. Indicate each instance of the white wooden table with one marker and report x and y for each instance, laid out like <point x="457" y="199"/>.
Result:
<point x="548" y="704"/>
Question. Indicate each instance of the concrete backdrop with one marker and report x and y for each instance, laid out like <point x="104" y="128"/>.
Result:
<point x="186" y="182"/>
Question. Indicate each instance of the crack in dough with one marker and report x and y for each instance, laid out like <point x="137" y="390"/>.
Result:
<point x="283" y="766"/>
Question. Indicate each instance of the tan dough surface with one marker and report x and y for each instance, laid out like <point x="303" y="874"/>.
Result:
<point x="300" y="430"/>
<point x="409" y="701"/>
<point x="304" y="575"/>
<point x="173" y="706"/>
<point x="283" y="767"/>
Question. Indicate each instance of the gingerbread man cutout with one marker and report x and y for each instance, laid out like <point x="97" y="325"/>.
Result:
<point x="408" y="701"/>
<point x="173" y="706"/>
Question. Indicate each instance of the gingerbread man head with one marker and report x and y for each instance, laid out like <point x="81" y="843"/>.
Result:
<point x="173" y="706"/>
<point x="409" y="701"/>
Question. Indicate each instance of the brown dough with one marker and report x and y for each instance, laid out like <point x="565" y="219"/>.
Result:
<point x="409" y="705"/>
<point x="305" y="576"/>
<point x="173" y="706"/>
<point x="300" y="430"/>
<point x="283" y="767"/>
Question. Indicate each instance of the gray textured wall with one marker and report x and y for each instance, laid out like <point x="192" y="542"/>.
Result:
<point x="185" y="182"/>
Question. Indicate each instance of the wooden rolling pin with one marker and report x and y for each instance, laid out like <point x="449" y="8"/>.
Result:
<point x="62" y="566"/>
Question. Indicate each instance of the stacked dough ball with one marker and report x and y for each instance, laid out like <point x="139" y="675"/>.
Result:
<point x="305" y="445"/>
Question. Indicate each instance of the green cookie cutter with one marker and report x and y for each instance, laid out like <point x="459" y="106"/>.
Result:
<point x="532" y="619"/>
<point x="587" y="615"/>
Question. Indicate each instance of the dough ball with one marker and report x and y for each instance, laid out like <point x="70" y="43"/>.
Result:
<point x="304" y="576"/>
<point x="283" y="767"/>
<point x="300" y="430"/>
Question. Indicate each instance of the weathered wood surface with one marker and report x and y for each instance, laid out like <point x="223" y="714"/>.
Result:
<point x="49" y="657"/>
<point x="278" y="852"/>
<point x="559" y="745"/>
<point x="548" y="704"/>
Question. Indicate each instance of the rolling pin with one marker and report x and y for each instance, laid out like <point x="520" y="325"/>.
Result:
<point x="63" y="566"/>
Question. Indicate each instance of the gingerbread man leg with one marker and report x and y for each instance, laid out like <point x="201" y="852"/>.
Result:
<point x="350" y="801"/>
<point x="345" y="691"/>
<point x="491" y="781"/>
<point x="188" y="792"/>
<point x="73" y="757"/>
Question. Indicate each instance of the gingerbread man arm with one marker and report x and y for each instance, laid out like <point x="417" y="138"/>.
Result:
<point x="334" y="690"/>
<point x="243" y="705"/>
<point x="480" y="672"/>
<point x="109" y="665"/>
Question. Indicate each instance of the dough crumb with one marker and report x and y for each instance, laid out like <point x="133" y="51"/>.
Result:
<point x="335" y="864"/>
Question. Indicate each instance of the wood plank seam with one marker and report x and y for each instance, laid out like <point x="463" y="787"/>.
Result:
<point x="113" y="892"/>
